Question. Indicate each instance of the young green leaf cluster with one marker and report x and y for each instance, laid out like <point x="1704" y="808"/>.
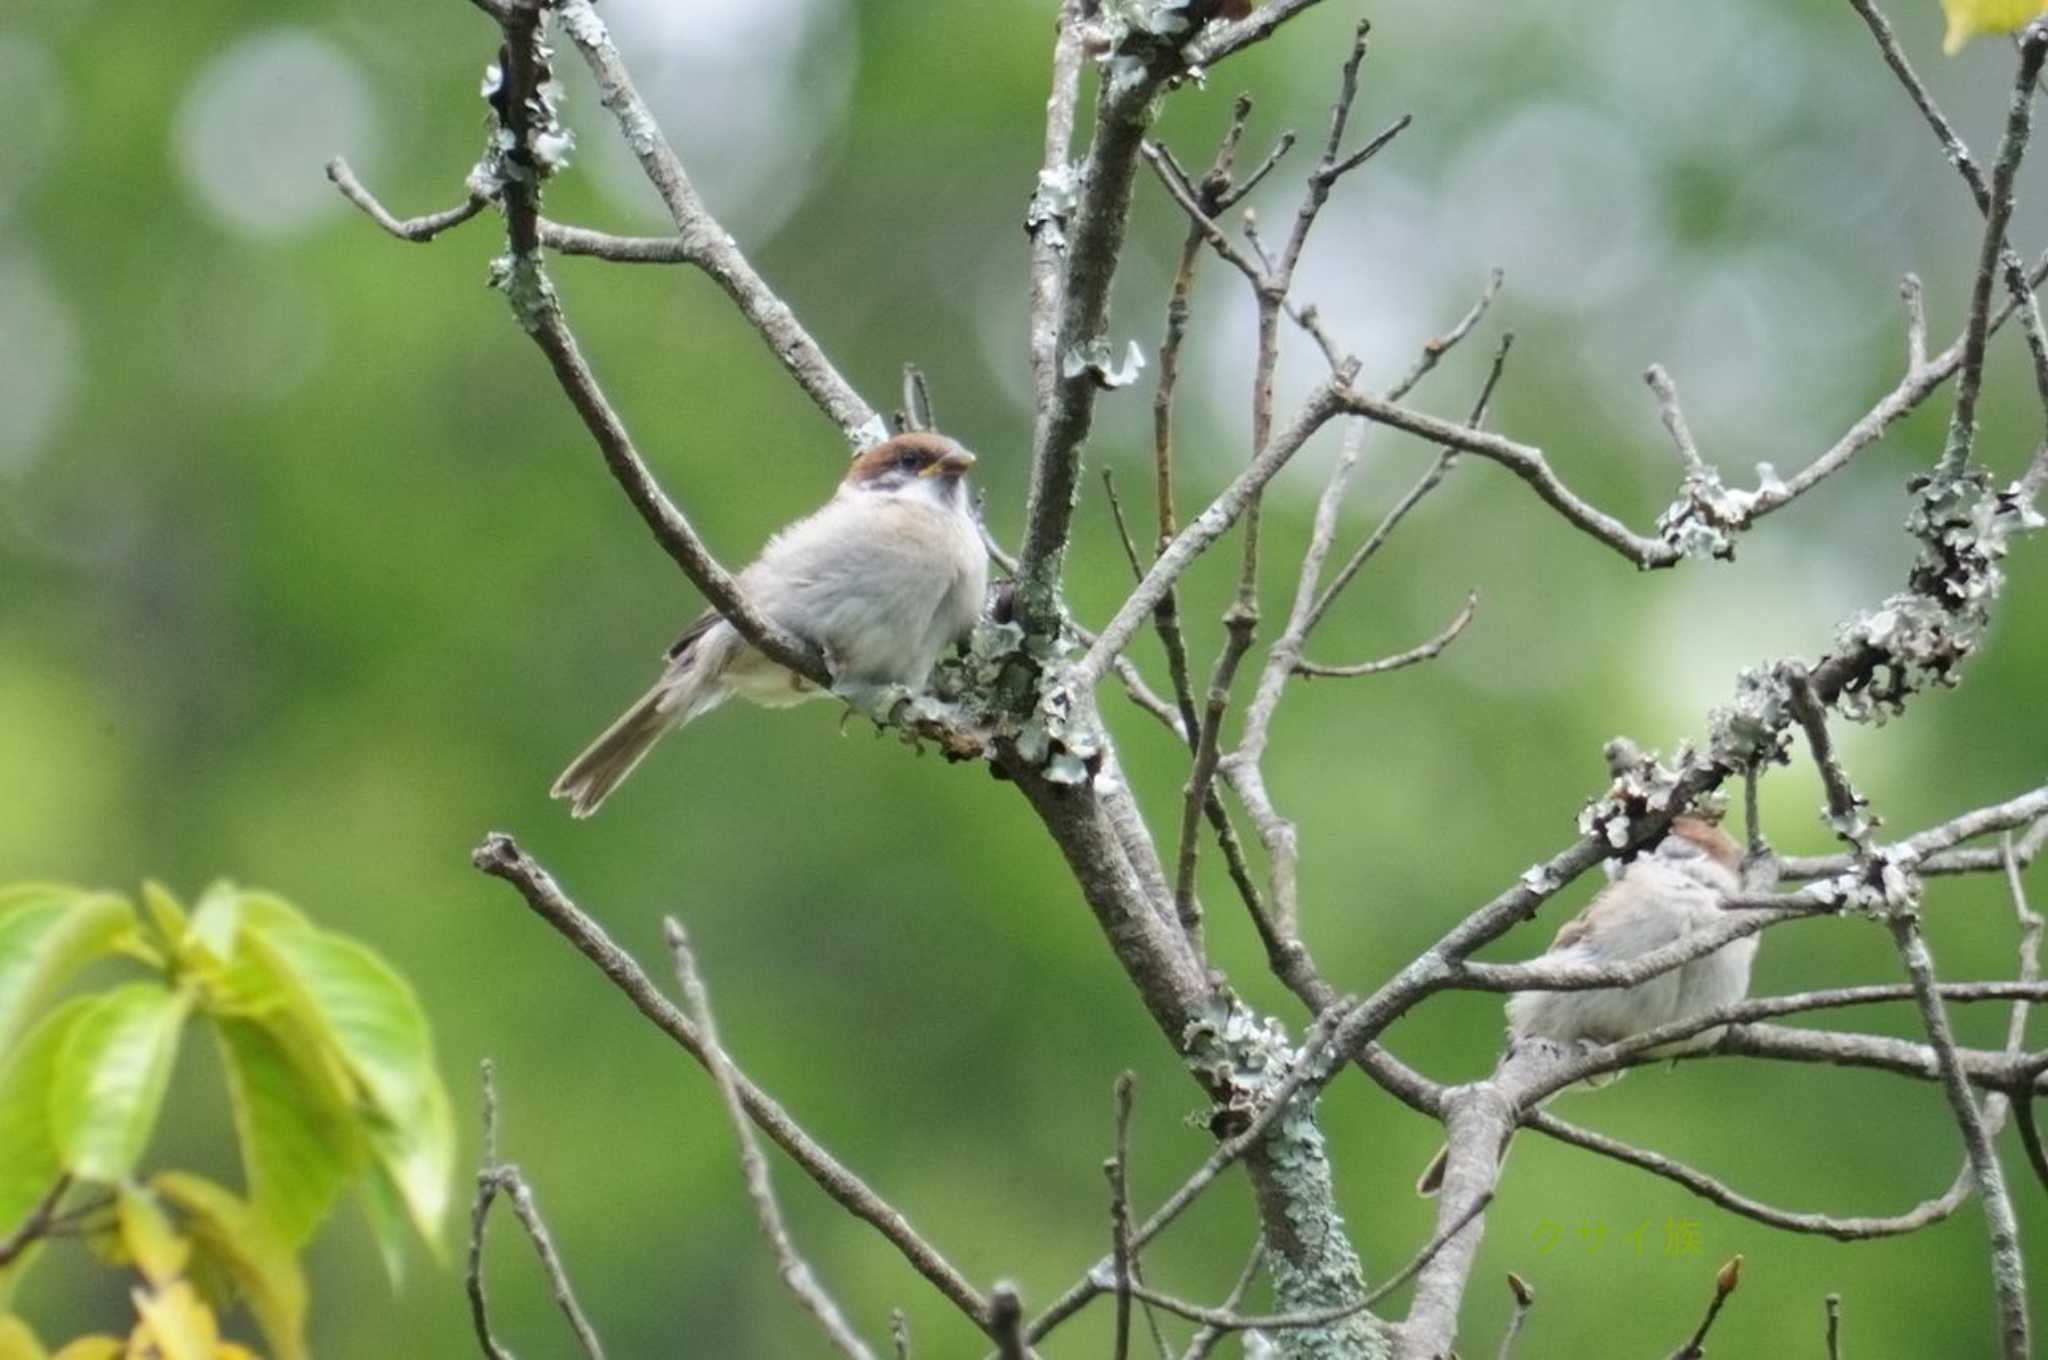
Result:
<point x="330" y="1081"/>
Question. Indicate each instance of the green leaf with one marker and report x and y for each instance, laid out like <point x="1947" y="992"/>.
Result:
<point x="262" y="912"/>
<point x="352" y="1002"/>
<point x="110" y="1078"/>
<point x="418" y="1153"/>
<point x="217" y="919"/>
<point x="44" y="940"/>
<point x="20" y="894"/>
<point x="182" y="1327"/>
<point x="28" y="1154"/>
<point x="153" y="1244"/>
<point x="93" y="1348"/>
<point x="384" y="1208"/>
<point x="299" y="1139"/>
<point x="165" y="912"/>
<point x="17" y="1341"/>
<point x="248" y="1251"/>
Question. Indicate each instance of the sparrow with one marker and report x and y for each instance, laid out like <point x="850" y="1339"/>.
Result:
<point x="880" y="579"/>
<point x="1656" y="900"/>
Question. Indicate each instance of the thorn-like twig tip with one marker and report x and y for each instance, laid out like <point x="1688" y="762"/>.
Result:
<point x="1524" y="1292"/>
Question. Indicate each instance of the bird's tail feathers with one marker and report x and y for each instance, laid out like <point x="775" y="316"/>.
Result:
<point x="688" y="690"/>
<point x="1431" y="1181"/>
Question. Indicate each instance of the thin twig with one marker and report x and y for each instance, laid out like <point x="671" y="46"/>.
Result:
<point x="1525" y="1299"/>
<point x="1833" y="1303"/>
<point x="1006" y="1321"/>
<point x="1725" y="1282"/>
<point x="1674" y="419"/>
<point x="1046" y="226"/>
<point x="1200" y="532"/>
<point x="1225" y="1320"/>
<point x="500" y="857"/>
<point x="494" y="1178"/>
<point x="423" y="228"/>
<point x="1426" y="652"/>
<point x="37" y="1223"/>
<point x="713" y="248"/>
<point x="1206" y="1340"/>
<point x="795" y="1271"/>
<point x="1446" y="459"/>
<point x="1931" y="851"/>
<point x="540" y="313"/>
<point x="2007" y="1271"/>
<point x="1845" y="805"/>
<point x="1309" y="1060"/>
<point x="2030" y="928"/>
<point x="1123" y="529"/>
<point x="1118" y="1169"/>
<point x="1985" y="196"/>
<point x="1997" y="210"/>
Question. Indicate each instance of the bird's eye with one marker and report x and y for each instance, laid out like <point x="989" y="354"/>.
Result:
<point x="906" y="461"/>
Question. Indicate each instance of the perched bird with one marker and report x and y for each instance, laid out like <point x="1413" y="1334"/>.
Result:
<point x="1658" y="900"/>
<point x="1968" y="18"/>
<point x="881" y="579"/>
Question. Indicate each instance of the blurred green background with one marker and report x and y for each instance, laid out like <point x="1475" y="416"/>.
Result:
<point x="309" y="576"/>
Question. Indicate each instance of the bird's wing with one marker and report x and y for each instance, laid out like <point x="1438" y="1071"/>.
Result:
<point x="699" y="626"/>
<point x="1623" y="915"/>
<point x="800" y="552"/>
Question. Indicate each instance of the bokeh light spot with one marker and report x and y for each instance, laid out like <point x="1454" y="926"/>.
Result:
<point x="38" y="359"/>
<point x="261" y="120"/>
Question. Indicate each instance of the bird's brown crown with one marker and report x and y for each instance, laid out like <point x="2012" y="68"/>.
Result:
<point x="909" y="456"/>
<point x="1709" y="837"/>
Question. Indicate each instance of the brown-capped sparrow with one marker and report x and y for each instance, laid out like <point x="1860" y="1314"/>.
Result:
<point x="880" y="579"/>
<point x="1658" y="899"/>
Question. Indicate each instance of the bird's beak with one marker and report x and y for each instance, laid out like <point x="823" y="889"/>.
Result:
<point x="954" y="464"/>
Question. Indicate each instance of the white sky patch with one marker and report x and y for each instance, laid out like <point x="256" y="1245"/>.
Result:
<point x="38" y="359"/>
<point x="750" y="92"/>
<point x="260" y="122"/>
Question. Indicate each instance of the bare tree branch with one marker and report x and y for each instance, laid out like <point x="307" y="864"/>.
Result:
<point x="1200" y="532"/>
<point x="1525" y="1299"/>
<point x="1427" y="651"/>
<point x="423" y="228"/>
<point x="1206" y="1340"/>
<point x="709" y="245"/>
<point x="500" y="857"/>
<point x="1725" y="1282"/>
<point x="1120" y="1214"/>
<point x="1926" y="849"/>
<point x="795" y="1272"/>
<point x="496" y="1178"/>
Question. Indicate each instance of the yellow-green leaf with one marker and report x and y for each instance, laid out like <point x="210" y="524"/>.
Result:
<point x="46" y="938"/>
<point x="111" y="1072"/>
<point x="153" y="1244"/>
<point x="418" y="1153"/>
<point x="181" y="1327"/>
<point x="165" y="911"/>
<point x="247" y="1250"/>
<point x="217" y="919"/>
<point x="17" y="1340"/>
<point x="1968" y="18"/>
<point x="261" y="911"/>
<point x="28" y="1154"/>
<point x="350" y="1000"/>
<point x="385" y="1210"/>
<point x="93" y="1348"/>
<point x="20" y="894"/>
<point x="300" y="1142"/>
